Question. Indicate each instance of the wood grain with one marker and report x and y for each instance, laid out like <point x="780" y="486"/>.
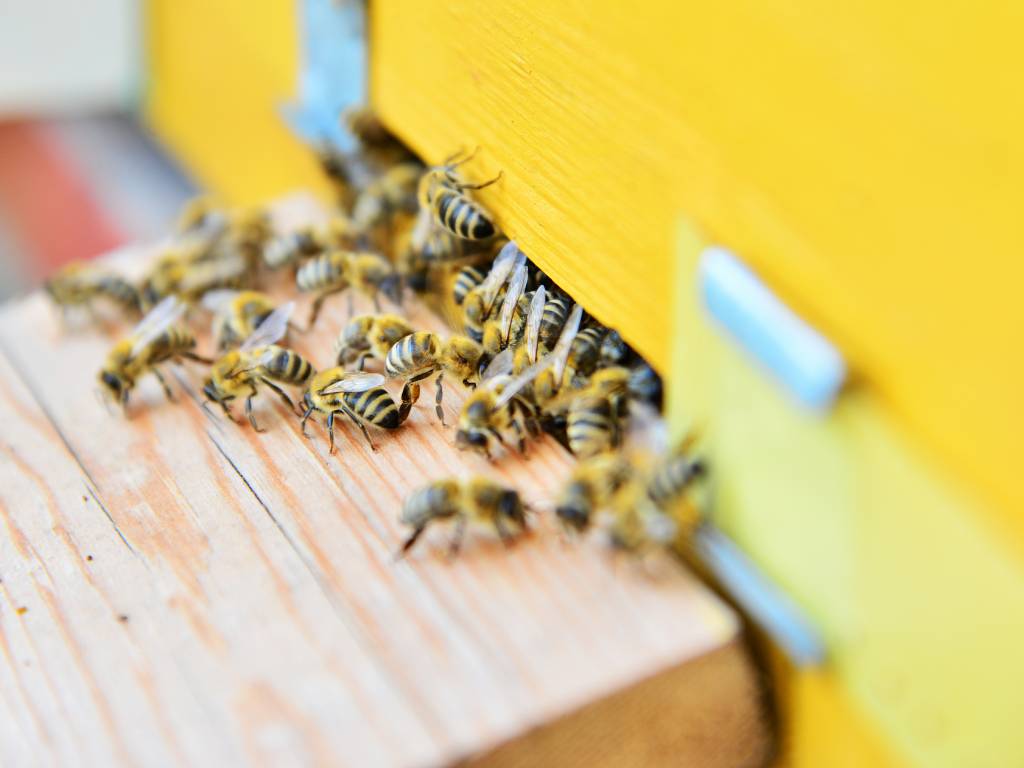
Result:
<point x="197" y="593"/>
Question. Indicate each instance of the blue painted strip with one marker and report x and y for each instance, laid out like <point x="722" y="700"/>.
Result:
<point x="810" y="367"/>
<point x="333" y="73"/>
<point x="768" y="606"/>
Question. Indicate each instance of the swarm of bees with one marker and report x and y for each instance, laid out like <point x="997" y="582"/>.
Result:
<point x="534" y="362"/>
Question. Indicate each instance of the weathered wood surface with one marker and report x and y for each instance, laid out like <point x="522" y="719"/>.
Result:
<point x="177" y="590"/>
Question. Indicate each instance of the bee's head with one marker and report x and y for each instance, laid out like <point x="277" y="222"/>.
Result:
<point x="392" y="288"/>
<point x="573" y="514"/>
<point x="214" y="393"/>
<point x="115" y="387"/>
<point x="472" y="439"/>
<point x="511" y="506"/>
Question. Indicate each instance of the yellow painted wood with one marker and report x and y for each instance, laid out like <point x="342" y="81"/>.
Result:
<point x="218" y="74"/>
<point x="920" y="602"/>
<point x="868" y="161"/>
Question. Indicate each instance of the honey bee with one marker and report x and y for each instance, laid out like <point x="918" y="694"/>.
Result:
<point x="258" y="361"/>
<point x="336" y="270"/>
<point x="188" y="274"/>
<point x="290" y="248"/>
<point x="78" y="285"/>
<point x="443" y="193"/>
<point x="377" y="145"/>
<point x="359" y="396"/>
<point x="465" y="280"/>
<point x="496" y="405"/>
<point x="585" y="353"/>
<point x="236" y="314"/>
<point x="370" y="336"/>
<point x="477" y="500"/>
<point x="391" y="192"/>
<point x="592" y="487"/>
<point x="526" y="353"/>
<point x="156" y="339"/>
<point x="673" y="479"/>
<point x="614" y="351"/>
<point x="200" y="214"/>
<point x="480" y="301"/>
<point x="420" y="354"/>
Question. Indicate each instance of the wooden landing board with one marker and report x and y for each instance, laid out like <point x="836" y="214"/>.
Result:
<point x="177" y="590"/>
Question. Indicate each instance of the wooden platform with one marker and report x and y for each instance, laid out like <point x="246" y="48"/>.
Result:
<point x="177" y="590"/>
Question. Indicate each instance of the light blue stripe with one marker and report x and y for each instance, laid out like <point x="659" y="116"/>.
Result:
<point x="810" y="367"/>
<point x="768" y="606"/>
<point x="333" y="70"/>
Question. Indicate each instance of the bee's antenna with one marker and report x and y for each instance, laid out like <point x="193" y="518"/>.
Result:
<point x="102" y="400"/>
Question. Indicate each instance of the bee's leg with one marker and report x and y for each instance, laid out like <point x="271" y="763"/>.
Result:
<point x="413" y="538"/>
<point x="280" y="393"/>
<point x="503" y="533"/>
<point x="318" y="304"/>
<point x="248" y="411"/>
<point x="361" y="360"/>
<point x="482" y="185"/>
<point x="469" y="384"/>
<point x="163" y="383"/>
<point x="376" y="303"/>
<point x="410" y="394"/>
<point x="197" y="358"/>
<point x="305" y="418"/>
<point x="330" y="428"/>
<point x="438" y="397"/>
<point x="460" y="533"/>
<point x="359" y="423"/>
<point x="520" y="435"/>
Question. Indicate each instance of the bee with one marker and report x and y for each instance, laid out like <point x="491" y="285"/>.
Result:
<point x="496" y="405"/>
<point x="78" y="285"/>
<point x="420" y="354"/>
<point x="526" y="353"/>
<point x="592" y="487"/>
<point x="188" y="274"/>
<point x="258" y="361"/>
<point x="638" y="527"/>
<point x="377" y="145"/>
<point x="200" y="214"/>
<point x="550" y="380"/>
<point x="429" y="243"/>
<point x="156" y="339"/>
<point x="645" y="384"/>
<point x="370" y="336"/>
<point x="249" y="229"/>
<point x="290" y="248"/>
<point x="359" y="396"/>
<point x="391" y="192"/>
<point x="474" y="500"/>
<point x="236" y="314"/>
<point x="465" y="280"/>
<point x="336" y="270"/>
<point x="442" y="192"/>
<point x="673" y="479"/>
<point x="480" y="301"/>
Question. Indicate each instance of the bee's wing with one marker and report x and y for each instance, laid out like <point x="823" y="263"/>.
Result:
<point x="157" y="320"/>
<point x="500" y="365"/>
<point x="508" y="258"/>
<point x="217" y="301"/>
<point x="533" y="319"/>
<point x="271" y="329"/>
<point x="354" y="382"/>
<point x="516" y="287"/>
<point x="511" y="389"/>
<point x="561" y="351"/>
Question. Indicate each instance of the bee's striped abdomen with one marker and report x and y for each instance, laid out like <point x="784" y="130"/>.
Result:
<point x="672" y="478"/>
<point x="466" y="280"/>
<point x="375" y="406"/>
<point x="324" y="271"/>
<point x="121" y="291"/>
<point x="412" y="354"/>
<point x="289" y="367"/>
<point x="462" y="217"/>
<point x="556" y="310"/>
<point x="590" y="426"/>
<point x="586" y="350"/>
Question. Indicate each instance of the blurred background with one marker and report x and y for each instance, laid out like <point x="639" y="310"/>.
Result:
<point x="79" y="172"/>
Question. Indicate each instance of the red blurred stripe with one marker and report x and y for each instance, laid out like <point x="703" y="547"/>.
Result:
<point x="47" y="203"/>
